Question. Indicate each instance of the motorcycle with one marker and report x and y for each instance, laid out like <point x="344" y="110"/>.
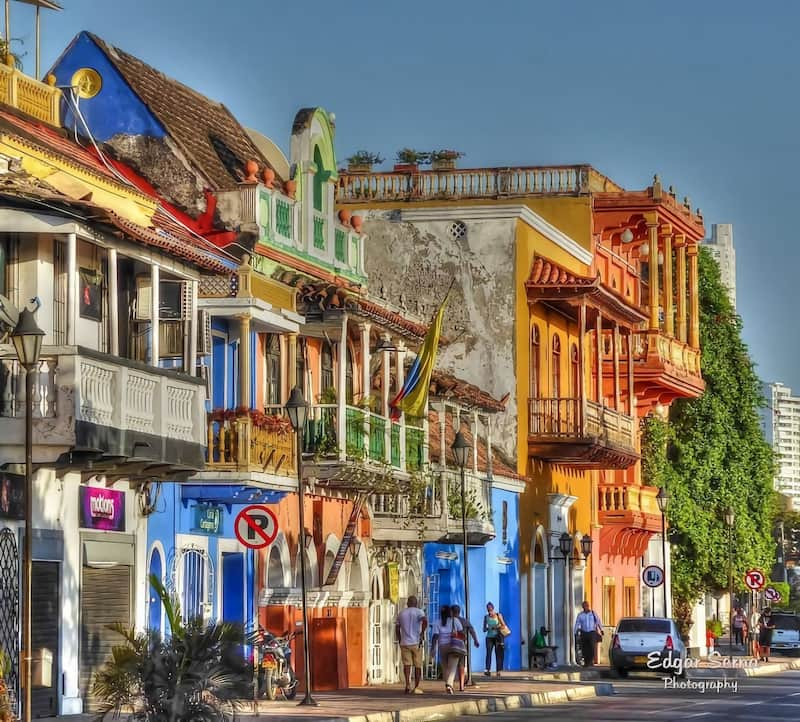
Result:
<point x="273" y="655"/>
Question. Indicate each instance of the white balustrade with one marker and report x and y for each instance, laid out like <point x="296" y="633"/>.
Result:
<point x="138" y="405"/>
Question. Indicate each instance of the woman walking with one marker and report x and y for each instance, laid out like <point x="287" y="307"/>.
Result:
<point x="448" y="635"/>
<point x="766" y="625"/>
<point x="493" y="622"/>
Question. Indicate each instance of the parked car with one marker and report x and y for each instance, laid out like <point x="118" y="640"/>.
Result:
<point x="649" y="643"/>
<point x="786" y="635"/>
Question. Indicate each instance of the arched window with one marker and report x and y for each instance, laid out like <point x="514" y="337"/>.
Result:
<point x="319" y="184"/>
<point x="273" y="360"/>
<point x="275" y="569"/>
<point x="326" y="380"/>
<point x="535" y="361"/>
<point x="556" y="381"/>
<point x="575" y="371"/>
<point x="348" y="380"/>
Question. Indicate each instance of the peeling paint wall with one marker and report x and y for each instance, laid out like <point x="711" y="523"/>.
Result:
<point x="412" y="264"/>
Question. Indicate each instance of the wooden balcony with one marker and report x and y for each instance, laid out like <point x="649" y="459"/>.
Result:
<point x="629" y="515"/>
<point x="239" y="443"/>
<point x="565" y="431"/>
<point x="666" y="367"/>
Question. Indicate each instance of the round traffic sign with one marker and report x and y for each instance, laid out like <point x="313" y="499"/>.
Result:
<point x="653" y="576"/>
<point x="754" y="579"/>
<point x="772" y="595"/>
<point x="256" y="526"/>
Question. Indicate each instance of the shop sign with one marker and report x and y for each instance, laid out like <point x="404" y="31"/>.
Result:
<point x="207" y="519"/>
<point x="12" y="496"/>
<point x="102" y="508"/>
<point x="393" y="576"/>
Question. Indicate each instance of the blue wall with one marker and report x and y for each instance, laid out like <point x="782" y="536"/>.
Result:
<point x="115" y="109"/>
<point x="491" y="578"/>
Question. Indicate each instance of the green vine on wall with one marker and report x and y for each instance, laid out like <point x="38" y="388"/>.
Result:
<point x="655" y="439"/>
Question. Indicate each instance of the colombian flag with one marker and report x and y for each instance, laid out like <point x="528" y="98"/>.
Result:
<point x="413" y="397"/>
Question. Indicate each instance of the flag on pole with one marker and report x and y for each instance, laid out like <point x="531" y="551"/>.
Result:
<point x="413" y="397"/>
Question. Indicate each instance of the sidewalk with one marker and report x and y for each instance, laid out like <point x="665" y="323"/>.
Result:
<point x="388" y="703"/>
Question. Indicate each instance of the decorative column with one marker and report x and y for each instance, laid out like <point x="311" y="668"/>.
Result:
<point x="694" y="298"/>
<point x="652" y="231"/>
<point x="599" y="341"/>
<point x="385" y="399"/>
<point x="244" y="361"/>
<point x="615" y="342"/>
<point x="631" y="388"/>
<point x="366" y="359"/>
<point x="680" y="254"/>
<point x="669" y="325"/>
<point x="474" y="429"/>
<point x="341" y="383"/>
<point x="193" y="322"/>
<point x="582" y="362"/>
<point x="401" y="379"/>
<point x="155" y="305"/>
<point x="291" y="372"/>
<point x="72" y="289"/>
<point x="113" y="303"/>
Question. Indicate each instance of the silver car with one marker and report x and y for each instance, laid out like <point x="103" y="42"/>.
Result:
<point x="648" y="643"/>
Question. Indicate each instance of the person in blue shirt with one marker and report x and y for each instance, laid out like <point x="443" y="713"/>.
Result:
<point x="591" y="631"/>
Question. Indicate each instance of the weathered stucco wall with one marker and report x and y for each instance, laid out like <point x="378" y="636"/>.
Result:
<point x="414" y="263"/>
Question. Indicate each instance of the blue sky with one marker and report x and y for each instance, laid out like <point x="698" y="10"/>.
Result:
<point x="703" y="93"/>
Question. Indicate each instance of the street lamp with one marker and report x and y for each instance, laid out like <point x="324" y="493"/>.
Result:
<point x="586" y="546"/>
<point x="730" y="518"/>
<point x="663" y="502"/>
<point x="461" y="451"/>
<point x="565" y="547"/>
<point x="27" y="339"/>
<point x="297" y="411"/>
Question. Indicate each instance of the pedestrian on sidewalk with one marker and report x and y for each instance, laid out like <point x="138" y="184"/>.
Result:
<point x="755" y="648"/>
<point x="766" y="625"/>
<point x="470" y="632"/>
<point x="591" y="632"/>
<point x="410" y="630"/>
<point x="493" y="622"/>
<point x="739" y="623"/>
<point x="542" y="649"/>
<point x="448" y="636"/>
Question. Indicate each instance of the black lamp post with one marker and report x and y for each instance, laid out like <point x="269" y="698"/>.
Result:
<point x="586" y="546"/>
<point x="297" y="411"/>
<point x="461" y="451"/>
<point x="663" y="502"/>
<point x="565" y="547"/>
<point x="27" y="339"/>
<point x="730" y="519"/>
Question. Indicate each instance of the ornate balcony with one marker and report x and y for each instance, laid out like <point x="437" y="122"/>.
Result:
<point x="630" y="516"/>
<point x="565" y="431"/>
<point x="669" y="365"/>
<point x="27" y="94"/>
<point x="106" y="407"/>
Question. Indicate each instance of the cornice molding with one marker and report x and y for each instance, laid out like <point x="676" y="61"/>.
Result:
<point x="502" y="212"/>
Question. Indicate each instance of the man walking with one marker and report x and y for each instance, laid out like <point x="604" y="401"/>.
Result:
<point x="588" y="624"/>
<point x="410" y="630"/>
<point x="469" y="630"/>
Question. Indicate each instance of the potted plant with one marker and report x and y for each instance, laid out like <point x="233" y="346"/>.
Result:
<point x="409" y="159"/>
<point x="445" y="159"/>
<point x="362" y="161"/>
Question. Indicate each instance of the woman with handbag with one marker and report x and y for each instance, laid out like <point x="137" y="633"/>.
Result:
<point x="496" y="630"/>
<point x="449" y="635"/>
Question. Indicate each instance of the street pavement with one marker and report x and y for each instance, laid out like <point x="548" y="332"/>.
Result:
<point x="645" y="697"/>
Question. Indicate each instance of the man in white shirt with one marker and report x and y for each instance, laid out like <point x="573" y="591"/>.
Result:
<point x="410" y="628"/>
<point x="588" y="624"/>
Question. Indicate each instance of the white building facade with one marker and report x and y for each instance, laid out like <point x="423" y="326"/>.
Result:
<point x="780" y="422"/>
<point x="721" y="246"/>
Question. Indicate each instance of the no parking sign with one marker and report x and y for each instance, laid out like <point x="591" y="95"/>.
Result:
<point x="256" y="526"/>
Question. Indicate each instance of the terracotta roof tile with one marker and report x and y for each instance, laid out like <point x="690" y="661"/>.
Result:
<point x="205" y="130"/>
<point x="548" y="273"/>
<point x="447" y="386"/>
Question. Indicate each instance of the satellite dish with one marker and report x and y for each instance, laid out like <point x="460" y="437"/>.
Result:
<point x="271" y="152"/>
<point x="9" y="315"/>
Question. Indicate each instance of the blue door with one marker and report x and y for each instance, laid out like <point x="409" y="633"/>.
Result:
<point x="154" y="611"/>
<point x="233" y="587"/>
<point x="218" y="381"/>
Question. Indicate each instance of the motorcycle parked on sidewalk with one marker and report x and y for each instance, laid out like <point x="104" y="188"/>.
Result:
<point x="274" y="672"/>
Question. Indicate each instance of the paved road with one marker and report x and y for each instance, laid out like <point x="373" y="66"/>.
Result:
<point x="644" y="697"/>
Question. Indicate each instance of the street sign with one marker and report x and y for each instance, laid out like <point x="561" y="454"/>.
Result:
<point x="772" y="595"/>
<point x="754" y="579"/>
<point x="256" y="526"/>
<point x="653" y="576"/>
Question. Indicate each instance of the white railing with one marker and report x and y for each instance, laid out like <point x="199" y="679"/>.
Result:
<point x="75" y="385"/>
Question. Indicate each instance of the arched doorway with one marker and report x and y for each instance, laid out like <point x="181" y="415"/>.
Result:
<point x="156" y="569"/>
<point x="376" y="669"/>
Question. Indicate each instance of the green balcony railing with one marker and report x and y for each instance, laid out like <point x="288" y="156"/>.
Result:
<point x="356" y="426"/>
<point x="340" y="247"/>
<point x="415" y="439"/>
<point x="377" y="438"/>
<point x="283" y="218"/>
<point x="319" y="232"/>
<point x="320" y="436"/>
<point x="396" y="445"/>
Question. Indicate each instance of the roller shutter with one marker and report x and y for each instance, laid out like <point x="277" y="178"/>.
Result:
<point x="105" y="600"/>
<point x="45" y="617"/>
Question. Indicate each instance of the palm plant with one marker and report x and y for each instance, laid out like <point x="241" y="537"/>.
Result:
<point x="194" y="675"/>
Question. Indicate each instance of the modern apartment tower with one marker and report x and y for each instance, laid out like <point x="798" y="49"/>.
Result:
<point x="721" y="246"/>
<point x="780" y="421"/>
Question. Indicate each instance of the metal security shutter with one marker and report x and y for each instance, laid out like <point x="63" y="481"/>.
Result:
<point x="105" y="599"/>
<point x="45" y="615"/>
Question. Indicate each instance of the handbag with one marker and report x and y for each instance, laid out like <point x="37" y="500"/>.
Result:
<point x="504" y="628"/>
<point x="457" y="641"/>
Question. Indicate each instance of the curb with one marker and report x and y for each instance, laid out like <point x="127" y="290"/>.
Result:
<point x="484" y="705"/>
<point x="743" y="672"/>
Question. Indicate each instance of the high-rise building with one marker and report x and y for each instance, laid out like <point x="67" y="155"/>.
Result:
<point x="721" y="246"/>
<point x="780" y="422"/>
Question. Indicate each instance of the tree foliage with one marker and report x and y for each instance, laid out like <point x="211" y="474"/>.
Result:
<point x="711" y="456"/>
